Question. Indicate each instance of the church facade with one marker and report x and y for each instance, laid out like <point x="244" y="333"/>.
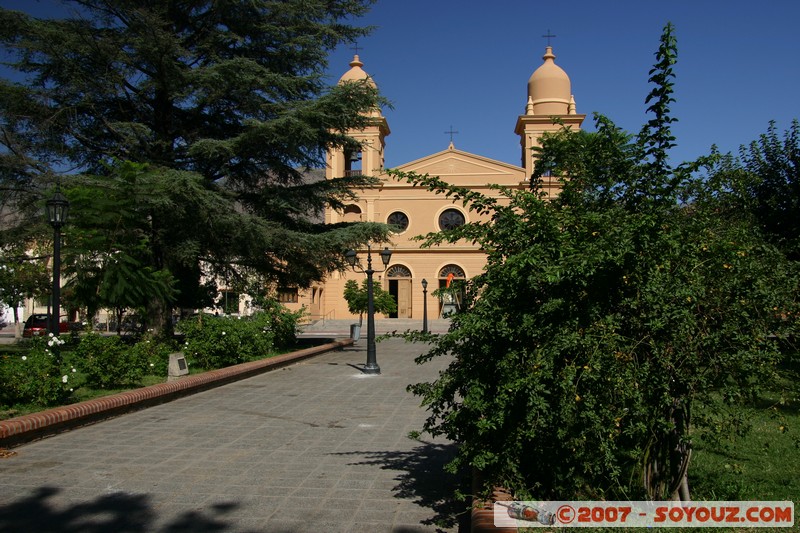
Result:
<point x="415" y="211"/>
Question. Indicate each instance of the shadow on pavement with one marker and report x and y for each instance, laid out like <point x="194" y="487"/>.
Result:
<point x="423" y="479"/>
<point x="117" y="513"/>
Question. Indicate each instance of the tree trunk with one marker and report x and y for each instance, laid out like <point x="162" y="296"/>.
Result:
<point x="684" y="489"/>
<point x="666" y="464"/>
<point x="17" y="326"/>
<point x="162" y="319"/>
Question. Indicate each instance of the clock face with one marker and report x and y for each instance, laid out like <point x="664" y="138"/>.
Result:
<point x="450" y="219"/>
<point x="399" y="220"/>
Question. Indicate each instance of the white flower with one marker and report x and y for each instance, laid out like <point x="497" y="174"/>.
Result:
<point x="151" y="364"/>
<point x="24" y="357"/>
<point x="51" y="334"/>
<point x="73" y="370"/>
<point x="50" y="342"/>
<point x="223" y="333"/>
<point x="64" y="378"/>
<point x="71" y="390"/>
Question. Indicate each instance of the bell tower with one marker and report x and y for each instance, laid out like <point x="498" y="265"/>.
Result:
<point x="550" y="105"/>
<point x="370" y="159"/>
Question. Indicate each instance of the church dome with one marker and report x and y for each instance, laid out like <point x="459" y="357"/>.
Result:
<point x="549" y="88"/>
<point x="356" y="73"/>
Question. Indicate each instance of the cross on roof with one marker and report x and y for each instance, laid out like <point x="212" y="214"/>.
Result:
<point x="451" y="132"/>
<point x="548" y="36"/>
<point x="357" y="48"/>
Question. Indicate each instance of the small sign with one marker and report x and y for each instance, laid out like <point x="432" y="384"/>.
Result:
<point x="177" y="366"/>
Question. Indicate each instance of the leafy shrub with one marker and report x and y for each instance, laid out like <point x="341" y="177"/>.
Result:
<point x="152" y="354"/>
<point x="36" y="377"/>
<point x="607" y="316"/>
<point x="107" y="362"/>
<point x="216" y="342"/>
<point x="279" y="320"/>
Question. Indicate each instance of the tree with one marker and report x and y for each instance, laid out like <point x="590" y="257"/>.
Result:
<point x="776" y="191"/>
<point x="606" y="316"/>
<point x="357" y="299"/>
<point x="21" y="276"/>
<point x="222" y="103"/>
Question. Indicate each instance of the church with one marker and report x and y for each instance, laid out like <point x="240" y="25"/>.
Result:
<point x="415" y="211"/>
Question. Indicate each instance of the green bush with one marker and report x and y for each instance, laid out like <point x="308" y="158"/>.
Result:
<point x="107" y="362"/>
<point x="217" y="342"/>
<point x="36" y="377"/>
<point x="152" y="354"/>
<point x="277" y="319"/>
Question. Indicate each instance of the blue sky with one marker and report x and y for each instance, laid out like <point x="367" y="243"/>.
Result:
<point x="466" y="63"/>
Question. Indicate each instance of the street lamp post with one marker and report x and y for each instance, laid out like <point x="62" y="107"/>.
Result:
<point x="424" y="305"/>
<point x="386" y="256"/>
<point x="57" y="209"/>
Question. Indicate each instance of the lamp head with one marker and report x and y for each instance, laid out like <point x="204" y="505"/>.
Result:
<point x="57" y="210"/>
<point x="350" y="256"/>
<point x="386" y="256"/>
<point x="424" y="284"/>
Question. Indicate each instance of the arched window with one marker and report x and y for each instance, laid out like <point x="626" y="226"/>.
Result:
<point x="455" y="270"/>
<point x="398" y="271"/>
<point x="351" y="213"/>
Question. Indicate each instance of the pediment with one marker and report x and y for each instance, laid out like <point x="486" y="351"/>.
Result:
<point x="463" y="168"/>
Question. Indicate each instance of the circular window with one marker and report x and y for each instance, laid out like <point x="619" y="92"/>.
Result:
<point x="450" y="219"/>
<point x="399" y="220"/>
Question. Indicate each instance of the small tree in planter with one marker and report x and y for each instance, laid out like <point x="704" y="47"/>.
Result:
<point x="357" y="299"/>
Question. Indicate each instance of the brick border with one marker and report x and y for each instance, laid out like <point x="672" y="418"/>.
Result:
<point x="482" y="518"/>
<point x="26" y="428"/>
<point x="482" y="515"/>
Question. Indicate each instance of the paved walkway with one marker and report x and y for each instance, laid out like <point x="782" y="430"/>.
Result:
<point x="317" y="446"/>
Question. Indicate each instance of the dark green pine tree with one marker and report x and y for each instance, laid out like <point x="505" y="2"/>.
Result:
<point x="776" y="192"/>
<point x="222" y="105"/>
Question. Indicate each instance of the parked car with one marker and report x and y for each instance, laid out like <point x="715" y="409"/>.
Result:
<point x="36" y="325"/>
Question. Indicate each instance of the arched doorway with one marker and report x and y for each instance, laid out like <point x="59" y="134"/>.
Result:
<point x="400" y="287"/>
<point x="449" y="302"/>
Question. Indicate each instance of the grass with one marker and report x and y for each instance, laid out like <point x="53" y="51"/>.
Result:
<point x="762" y="465"/>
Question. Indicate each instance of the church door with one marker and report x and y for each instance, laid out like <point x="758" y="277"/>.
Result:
<point x="400" y="287"/>
<point x="316" y="304"/>
<point x="403" y="298"/>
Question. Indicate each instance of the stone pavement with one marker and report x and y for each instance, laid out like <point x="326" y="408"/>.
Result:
<point x="382" y="326"/>
<point x="317" y="446"/>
